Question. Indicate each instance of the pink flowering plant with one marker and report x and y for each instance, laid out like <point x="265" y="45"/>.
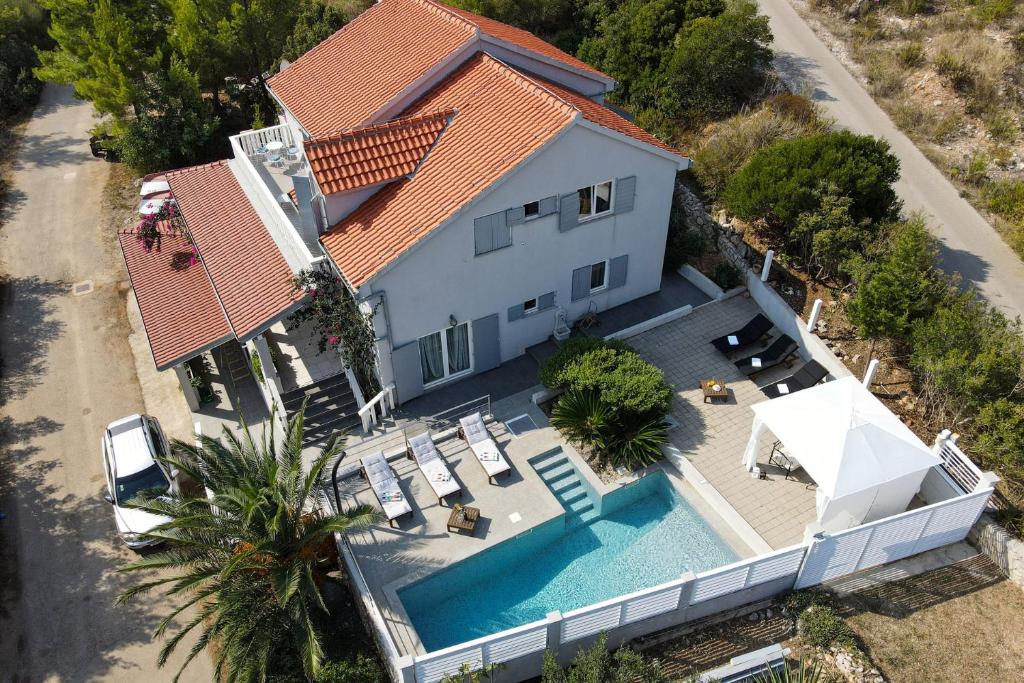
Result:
<point x="339" y="322"/>
<point x="151" y="229"/>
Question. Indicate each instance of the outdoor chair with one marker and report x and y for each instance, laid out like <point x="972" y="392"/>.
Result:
<point x="806" y="377"/>
<point x="385" y="486"/>
<point x="276" y="159"/>
<point x="474" y="431"/>
<point x="781" y="459"/>
<point x="421" y="448"/>
<point x="780" y="351"/>
<point x="754" y="331"/>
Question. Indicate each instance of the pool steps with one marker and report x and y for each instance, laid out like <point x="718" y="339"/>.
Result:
<point x="561" y="478"/>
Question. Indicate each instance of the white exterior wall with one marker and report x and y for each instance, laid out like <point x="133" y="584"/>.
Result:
<point x="441" y="276"/>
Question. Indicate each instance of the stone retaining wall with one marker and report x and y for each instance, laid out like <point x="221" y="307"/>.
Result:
<point x="996" y="542"/>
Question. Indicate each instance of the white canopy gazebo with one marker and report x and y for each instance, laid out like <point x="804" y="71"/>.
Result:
<point x="866" y="462"/>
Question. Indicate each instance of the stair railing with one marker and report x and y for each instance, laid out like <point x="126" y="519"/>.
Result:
<point x="377" y="407"/>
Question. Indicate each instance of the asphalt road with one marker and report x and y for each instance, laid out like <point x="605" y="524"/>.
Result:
<point x="67" y="371"/>
<point x="969" y="244"/>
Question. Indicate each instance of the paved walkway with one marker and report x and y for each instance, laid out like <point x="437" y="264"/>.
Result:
<point x="713" y="436"/>
<point x="67" y="372"/>
<point x="969" y="244"/>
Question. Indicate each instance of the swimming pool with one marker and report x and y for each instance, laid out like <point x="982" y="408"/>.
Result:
<point x="651" y="536"/>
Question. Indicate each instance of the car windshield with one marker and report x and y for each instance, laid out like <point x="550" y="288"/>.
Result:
<point x="151" y="479"/>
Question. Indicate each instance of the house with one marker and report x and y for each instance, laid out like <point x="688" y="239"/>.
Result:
<point x="464" y="178"/>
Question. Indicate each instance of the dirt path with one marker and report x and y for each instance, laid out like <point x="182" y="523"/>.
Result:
<point x="67" y="371"/>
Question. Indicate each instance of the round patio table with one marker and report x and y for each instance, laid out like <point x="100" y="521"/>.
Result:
<point x="274" y="146"/>
<point x="148" y="208"/>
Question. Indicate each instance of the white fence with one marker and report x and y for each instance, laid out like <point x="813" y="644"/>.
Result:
<point x="251" y="140"/>
<point x="824" y="557"/>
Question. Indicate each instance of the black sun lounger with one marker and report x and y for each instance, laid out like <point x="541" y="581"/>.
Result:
<point x="754" y="331"/>
<point x="781" y="350"/>
<point x="806" y="377"/>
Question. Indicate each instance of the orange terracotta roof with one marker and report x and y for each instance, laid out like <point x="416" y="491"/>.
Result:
<point x="503" y="117"/>
<point x="180" y="310"/>
<point x="249" y="274"/>
<point x="346" y="80"/>
<point x="523" y="39"/>
<point x="605" y="117"/>
<point x="342" y="82"/>
<point x="374" y="154"/>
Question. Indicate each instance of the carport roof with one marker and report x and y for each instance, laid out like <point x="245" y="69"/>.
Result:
<point x="179" y="308"/>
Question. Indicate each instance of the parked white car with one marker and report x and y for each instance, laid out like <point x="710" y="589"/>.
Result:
<point x="130" y="448"/>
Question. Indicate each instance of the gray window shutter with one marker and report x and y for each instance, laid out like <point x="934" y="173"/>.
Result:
<point x="546" y="301"/>
<point x="501" y="233"/>
<point x="568" y="211"/>
<point x="617" y="271"/>
<point x="483" y="235"/>
<point x="581" y="283"/>
<point x="486" y="347"/>
<point x="547" y="206"/>
<point x="515" y="216"/>
<point x="405" y="361"/>
<point x="625" y="194"/>
<point x="515" y="313"/>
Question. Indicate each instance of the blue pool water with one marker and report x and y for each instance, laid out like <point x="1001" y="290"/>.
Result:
<point x="651" y="537"/>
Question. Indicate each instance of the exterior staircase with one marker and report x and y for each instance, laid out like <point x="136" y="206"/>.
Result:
<point x="331" y="408"/>
<point x="236" y="363"/>
<point x="561" y="477"/>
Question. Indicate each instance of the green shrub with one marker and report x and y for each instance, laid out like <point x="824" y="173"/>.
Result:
<point x="635" y="441"/>
<point x="960" y="74"/>
<point x="727" y="276"/>
<point x="911" y="54"/>
<point x="620" y="438"/>
<point x="782" y="181"/>
<point x="999" y="436"/>
<point x="989" y="11"/>
<point x="596" y="665"/>
<point x="828" y="238"/>
<point x="257" y="366"/>
<point x="22" y="28"/>
<point x="625" y="382"/>
<point x="1002" y="125"/>
<point x="551" y="370"/>
<point x="966" y="354"/>
<point x="975" y="171"/>
<point x="820" y="626"/>
<point x="885" y="73"/>
<point x="362" y="669"/>
<point x="581" y="417"/>
<point x="799" y="109"/>
<point x="1006" y="198"/>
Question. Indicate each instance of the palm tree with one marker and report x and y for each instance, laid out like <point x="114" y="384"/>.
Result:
<point x="247" y="556"/>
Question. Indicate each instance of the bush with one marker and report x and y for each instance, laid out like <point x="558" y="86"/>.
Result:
<point x="828" y="239"/>
<point x="910" y="8"/>
<point x="362" y="669"/>
<point x="999" y="436"/>
<point x="910" y="54"/>
<point x="727" y="276"/>
<point x="597" y="665"/>
<point x="989" y="11"/>
<point x="820" y="626"/>
<point x="797" y="108"/>
<point x="958" y="72"/>
<point x="1006" y="198"/>
<point x="571" y="349"/>
<point x="966" y="354"/>
<point x="625" y="382"/>
<point x="315" y="22"/>
<point x="734" y="141"/>
<point x="885" y="73"/>
<point x="781" y="181"/>
<point x="623" y="439"/>
<point x="581" y="417"/>
<point x="22" y="28"/>
<point x="1002" y="125"/>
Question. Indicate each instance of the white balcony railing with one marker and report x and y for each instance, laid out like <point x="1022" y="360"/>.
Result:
<point x="251" y="140"/>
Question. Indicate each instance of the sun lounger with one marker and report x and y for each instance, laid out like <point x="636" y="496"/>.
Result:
<point x="754" y="331"/>
<point x="806" y="377"/>
<point x="385" y="486"/>
<point x="780" y="351"/>
<point x="421" y="448"/>
<point x="474" y="431"/>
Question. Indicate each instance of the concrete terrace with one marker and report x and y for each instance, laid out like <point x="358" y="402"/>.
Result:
<point x="712" y="436"/>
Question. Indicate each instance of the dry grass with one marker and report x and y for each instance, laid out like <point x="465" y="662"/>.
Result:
<point x="959" y="624"/>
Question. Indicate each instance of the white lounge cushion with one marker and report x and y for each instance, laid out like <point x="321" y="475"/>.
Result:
<point x="490" y="457"/>
<point x="423" y="448"/>
<point x="385" y="485"/>
<point x="439" y="478"/>
<point x="474" y="429"/>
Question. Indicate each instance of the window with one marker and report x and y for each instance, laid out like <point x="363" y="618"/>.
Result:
<point x="598" y="276"/>
<point x="595" y="200"/>
<point x="529" y="306"/>
<point x="532" y="209"/>
<point x="445" y="354"/>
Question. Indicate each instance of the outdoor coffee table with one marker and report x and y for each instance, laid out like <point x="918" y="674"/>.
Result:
<point x="710" y="392"/>
<point x="466" y="522"/>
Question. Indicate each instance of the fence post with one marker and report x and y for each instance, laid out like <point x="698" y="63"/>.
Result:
<point x="766" y="268"/>
<point x="554" y="639"/>
<point x="685" y="593"/>
<point x="812" y="322"/>
<point x="813" y="533"/>
<point x="869" y="374"/>
<point x="406" y="669"/>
